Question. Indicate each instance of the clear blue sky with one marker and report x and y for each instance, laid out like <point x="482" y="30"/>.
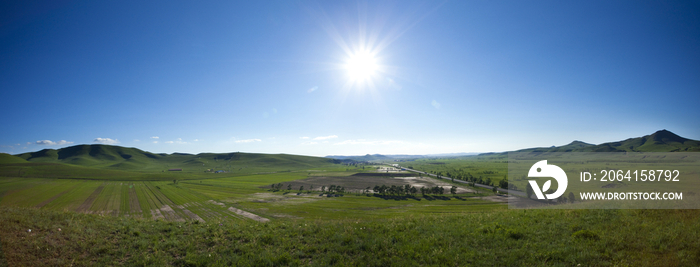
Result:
<point x="272" y="77"/>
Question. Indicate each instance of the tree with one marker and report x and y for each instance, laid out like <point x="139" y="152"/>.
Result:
<point x="414" y="190"/>
<point x="289" y="187"/>
<point x="529" y="190"/>
<point x="323" y="189"/>
<point x="453" y="190"/>
<point x="301" y="188"/>
<point x="503" y="183"/>
<point x="571" y="197"/>
<point x="495" y="190"/>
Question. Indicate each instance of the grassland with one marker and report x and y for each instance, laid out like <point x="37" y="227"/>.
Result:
<point x="190" y="218"/>
<point x="489" y="169"/>
<point x="209" y="200"/>
<point x="497" y="237"/>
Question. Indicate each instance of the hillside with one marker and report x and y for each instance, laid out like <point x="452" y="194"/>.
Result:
<point x="9" y="159"/>
<point x="112" y="162"/>
<point x="660" y="141"/>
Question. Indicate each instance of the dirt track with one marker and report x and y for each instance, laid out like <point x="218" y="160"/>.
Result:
<point x="248" y="215"/>
<point x="51" y="199"/>
<point x="88" y="202"/>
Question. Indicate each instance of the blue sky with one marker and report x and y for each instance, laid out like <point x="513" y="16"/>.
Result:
<point x="272" y="77"/>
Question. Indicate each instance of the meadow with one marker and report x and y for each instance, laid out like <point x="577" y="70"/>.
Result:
<point x="483" y="169"/>
<point x="202" y="218"/>
<point x="210" y="199"/>
<point x="486" y="238"/>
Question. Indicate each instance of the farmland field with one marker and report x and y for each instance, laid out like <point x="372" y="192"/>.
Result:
<point x="216" y="199"/>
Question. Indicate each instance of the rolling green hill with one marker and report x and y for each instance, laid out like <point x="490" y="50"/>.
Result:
<point x="112" y="162"/>
<point x="9" y="159"/>
<point x="573" y="146"/>
<point x="660" y="141"/>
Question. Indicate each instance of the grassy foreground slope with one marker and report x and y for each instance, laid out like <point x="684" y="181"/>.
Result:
<point x="500" y="238"/>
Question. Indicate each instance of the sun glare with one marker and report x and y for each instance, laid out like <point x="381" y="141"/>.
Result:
<point x="361" y="66"/>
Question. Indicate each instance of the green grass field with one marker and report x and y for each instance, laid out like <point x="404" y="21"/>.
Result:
<point x="193" y="218"/>
<point x="486" y="238"/>
<point x="490" y="169"/>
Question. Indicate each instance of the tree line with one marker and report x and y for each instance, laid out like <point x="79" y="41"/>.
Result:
<point x="332" y="189"/>
<point x="411" y="190"/>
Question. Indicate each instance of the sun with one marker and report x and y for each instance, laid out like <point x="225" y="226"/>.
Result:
<point x="361" y="66"/>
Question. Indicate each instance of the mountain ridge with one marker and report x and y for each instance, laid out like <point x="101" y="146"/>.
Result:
<point x="659" y="141"/>
<point x="130" y="158"/>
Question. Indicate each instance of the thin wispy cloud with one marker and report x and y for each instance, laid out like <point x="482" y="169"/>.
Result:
<point x="137" y="140"/>
<point x="309" y="143"/>
<point x="155" y="137"/>
<point x="326" y="137"/>
<point x="435" y="104"/>
<point x="51" y="143"/>
<point x="105" y="141"/>
<point x="312" y="89"/>
<point x="178" y="141"/>
<point x="369" y="142"/>
<point x="248" y="141"/>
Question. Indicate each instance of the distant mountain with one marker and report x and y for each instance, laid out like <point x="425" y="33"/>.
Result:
<point x="367" y="157"/>
<point x="379" y="157"/>
<point x="660" y="141"/>
<point x="573" y="146"/>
